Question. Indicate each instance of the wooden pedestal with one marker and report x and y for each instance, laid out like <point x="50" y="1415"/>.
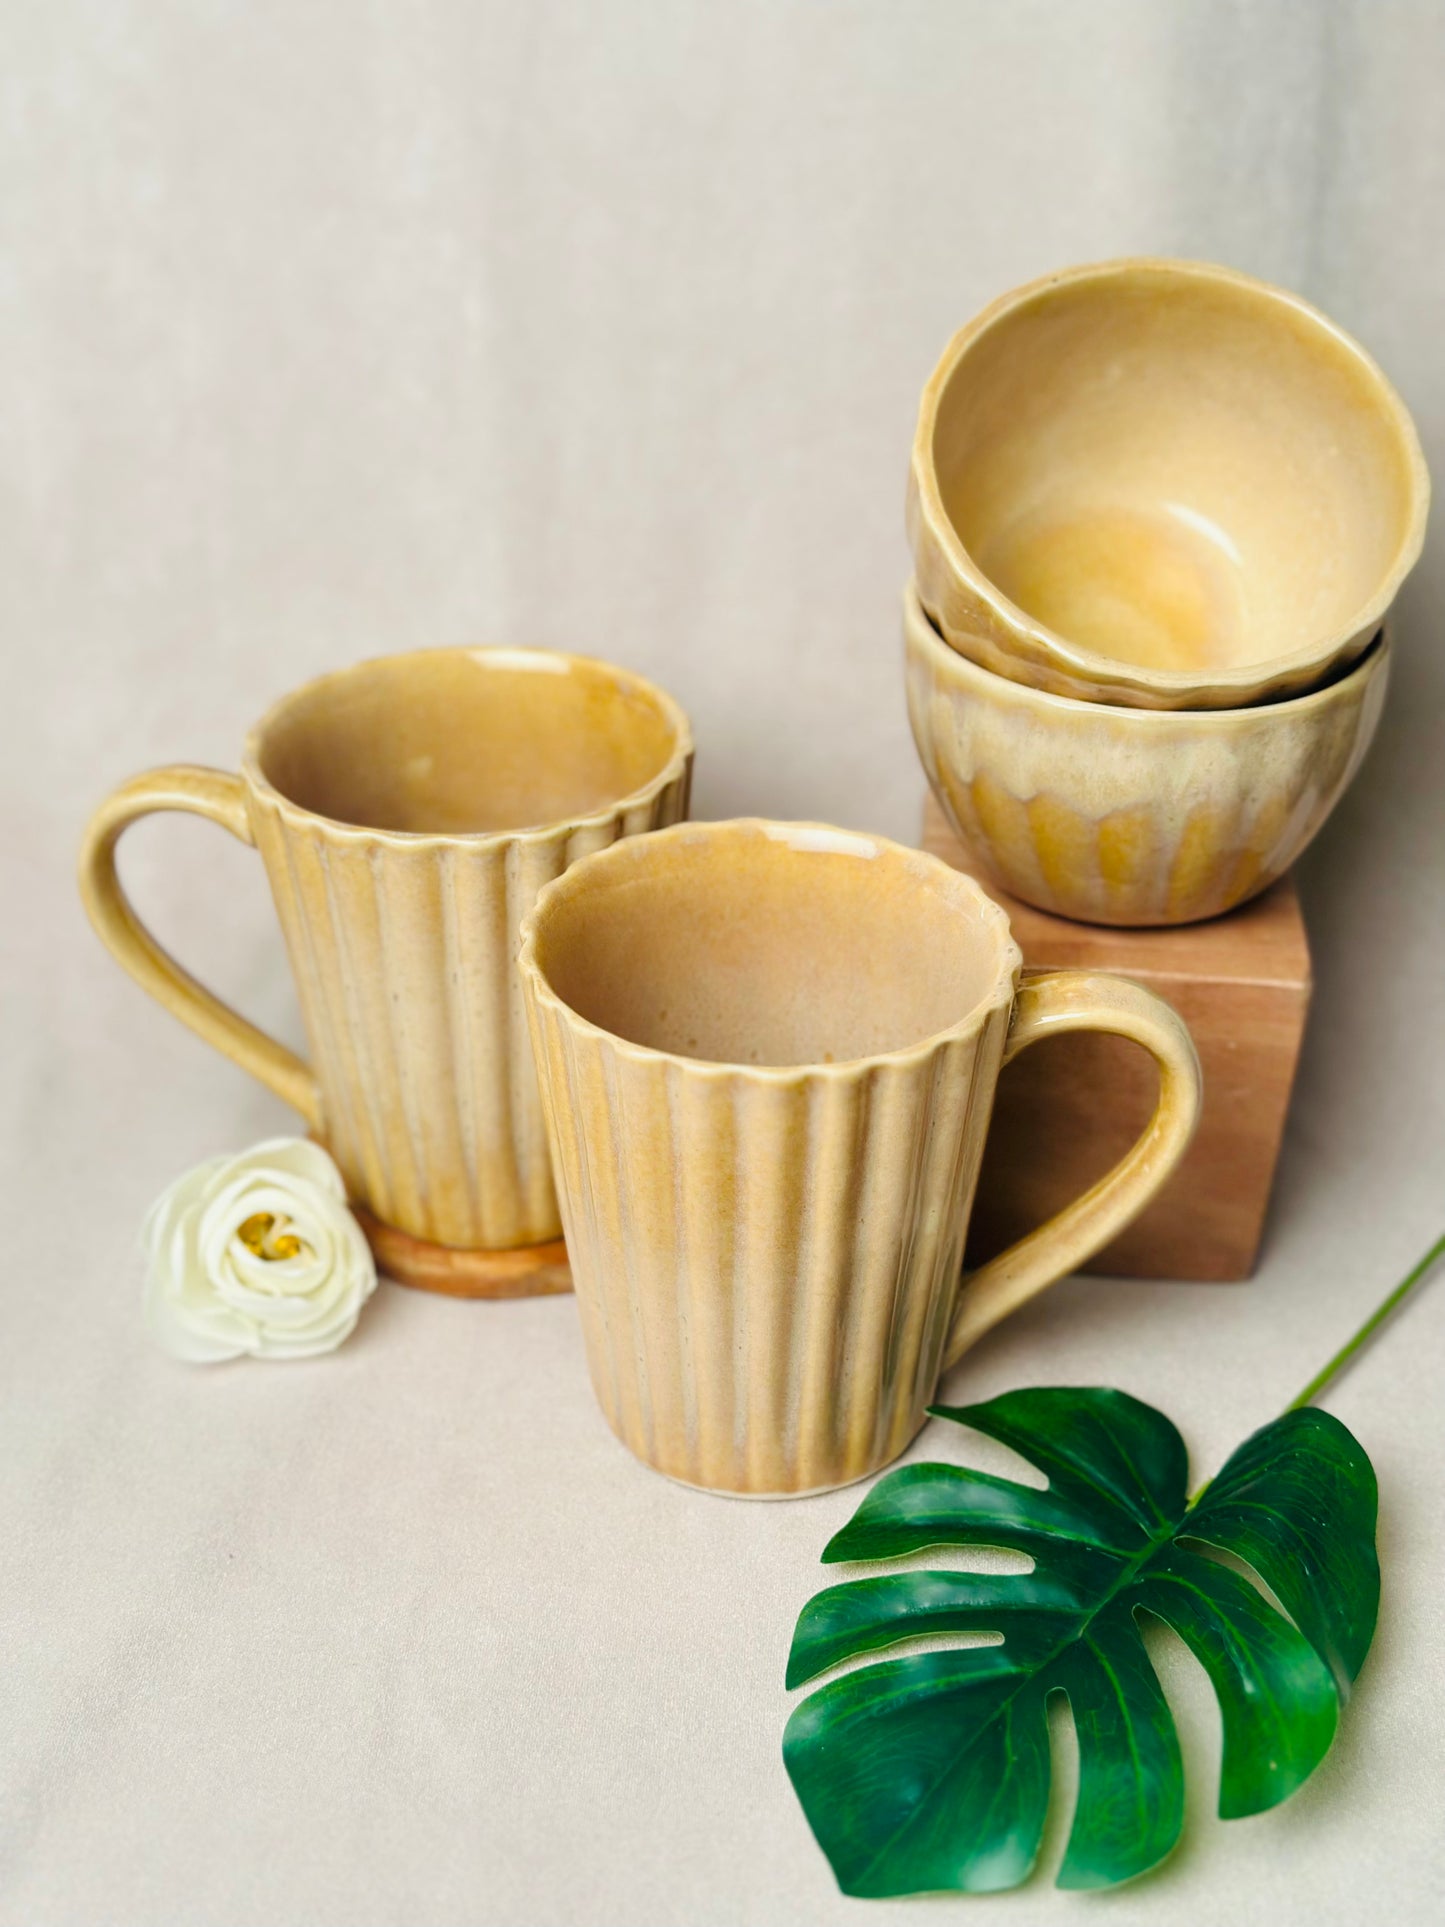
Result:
<point x="1067" y="1109"/>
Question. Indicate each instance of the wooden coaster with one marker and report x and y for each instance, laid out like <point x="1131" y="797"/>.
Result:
<point x="531" y="1271"/>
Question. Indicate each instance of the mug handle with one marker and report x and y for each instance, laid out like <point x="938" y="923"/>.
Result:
<point x="1050" y="1002"/>
<point x="220" y="798"/>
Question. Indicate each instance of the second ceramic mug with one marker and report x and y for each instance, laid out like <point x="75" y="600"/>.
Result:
<point x="407" y="811"/>
<point x="768" y="1055"/>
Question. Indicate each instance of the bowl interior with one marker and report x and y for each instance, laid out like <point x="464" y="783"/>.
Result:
<point x="1176" y="470"/>
<point x="769" y="944"/>
<point x="449" y="741"/>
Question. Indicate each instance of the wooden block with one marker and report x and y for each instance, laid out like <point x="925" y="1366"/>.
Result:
<point x="1068" y="1108"/>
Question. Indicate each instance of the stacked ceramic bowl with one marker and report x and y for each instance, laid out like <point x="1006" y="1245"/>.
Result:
<point x="1159" y="512"/>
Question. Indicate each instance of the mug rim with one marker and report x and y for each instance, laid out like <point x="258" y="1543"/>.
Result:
<point x="1076" y="659"/>
<point x="499" y="655"/>
<point x="1000" y="994"/>
<point x="923" y="634"/>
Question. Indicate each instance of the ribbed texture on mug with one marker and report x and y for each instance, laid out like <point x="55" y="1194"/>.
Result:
<point x="404" y="951"/>
<point x="765" y="1263"/>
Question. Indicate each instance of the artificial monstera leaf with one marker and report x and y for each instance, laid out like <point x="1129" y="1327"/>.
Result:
<point x="931" y="1771"/>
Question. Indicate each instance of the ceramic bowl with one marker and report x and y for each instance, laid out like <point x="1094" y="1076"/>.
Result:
<point x="1164" y="485"/>
<point x="1131" y="816"/>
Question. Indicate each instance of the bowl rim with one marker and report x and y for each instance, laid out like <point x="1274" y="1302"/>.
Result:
<point x="921" y="632"/>
<point x="1245" y="682"/>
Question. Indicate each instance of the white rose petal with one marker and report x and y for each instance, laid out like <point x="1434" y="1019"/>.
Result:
<point x="256" y="1254"/>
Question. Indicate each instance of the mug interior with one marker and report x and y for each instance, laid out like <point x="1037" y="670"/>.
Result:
<point x="450" y="741"/>
<point x="1174" y="468"/>
<point x="770" y="944"/>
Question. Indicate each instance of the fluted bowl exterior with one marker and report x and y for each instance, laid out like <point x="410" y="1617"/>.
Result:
<point x="1131" y="816"/>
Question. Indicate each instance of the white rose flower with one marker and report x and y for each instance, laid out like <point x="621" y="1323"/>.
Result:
<point x="256" y="1253"/>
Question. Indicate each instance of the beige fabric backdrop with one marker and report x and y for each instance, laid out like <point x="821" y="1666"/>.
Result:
<point x="330" y="329"/>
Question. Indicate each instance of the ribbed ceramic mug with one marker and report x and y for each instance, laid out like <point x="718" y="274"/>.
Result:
<point x="407" y="811"/>
<point x="768" y="1055"/>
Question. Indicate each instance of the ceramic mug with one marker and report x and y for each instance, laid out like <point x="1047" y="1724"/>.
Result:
<point x="768" y="1054"/>
<point x="407" y="811"/>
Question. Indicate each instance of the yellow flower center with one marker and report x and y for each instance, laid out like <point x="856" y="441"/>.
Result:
<point x="258" y="1233"/>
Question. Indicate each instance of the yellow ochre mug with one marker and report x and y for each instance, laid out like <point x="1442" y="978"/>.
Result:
<point x="407" y="811"/>
<point x="768" y="1055"/>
